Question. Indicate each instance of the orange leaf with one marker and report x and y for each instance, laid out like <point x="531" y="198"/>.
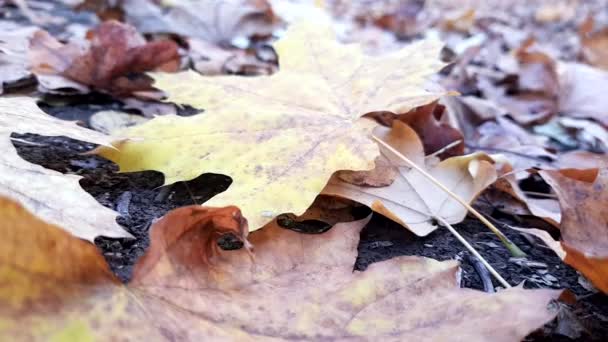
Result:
<point x="583" y="195"/>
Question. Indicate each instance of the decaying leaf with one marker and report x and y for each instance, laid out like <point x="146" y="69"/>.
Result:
<point x="110" y="62"/>
<point x="583" y="195"/>
<point x="304" y="121"/>
<point x="412" y="200"/>
<point x="53" y="196"/>
<point x="295" y="286"/>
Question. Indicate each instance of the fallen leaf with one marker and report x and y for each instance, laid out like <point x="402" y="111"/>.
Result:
<point x="594" y="44"/>
<point x="583" y="195"/>
<point x="581" y="94"/>
<point x="435" y="135"/>
<point x="412" y="200"/>
<point x="545" y="208"/>
<point x="304" y="121"/>
<point x="555" y="12"/>
<point x="216" y="21"/>
<point x="113" y="61"/>
<point x="546" y="238"/>
<point x="187" y="289"/>
<point x="14" y="44"/>
<point x="582" y="160"/>
<point x="461" y="21"/>
<point x="523" y="149"/>
<point x="55" y="197"/>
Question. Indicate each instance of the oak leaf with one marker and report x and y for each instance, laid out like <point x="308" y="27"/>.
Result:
<point x="52" y="195"/>
<point x="412" y="200"/>
<point x="295" y="286"/>
<point x="583" y="195"/>
<point x="281" y="137"/>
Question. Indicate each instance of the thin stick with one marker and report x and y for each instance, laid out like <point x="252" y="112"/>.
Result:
<point x="445" y="148"/>
<point x="473" y="251"/>
<point x="513" y="249"/>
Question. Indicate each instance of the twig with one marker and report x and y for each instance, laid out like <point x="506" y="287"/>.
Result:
<point x="540" y="194"/>
<point x="482" y="272"/>
<point x="445" y="148"/>
<point x="513" y="249"/>
<point x="473" y="251"/>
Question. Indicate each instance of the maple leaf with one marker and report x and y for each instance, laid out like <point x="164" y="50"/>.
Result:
<point x="583" y="195"/>
<point x="52" y="195"/>
<point x="412" y="200"/>
<point x="187" y="289"/>
<point x="280" y="137"/>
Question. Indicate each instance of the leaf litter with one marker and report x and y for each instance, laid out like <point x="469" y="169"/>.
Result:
<point x="516" y="75"/>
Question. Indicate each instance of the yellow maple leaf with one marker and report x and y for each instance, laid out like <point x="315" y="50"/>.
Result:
<point x="281" y="137"/>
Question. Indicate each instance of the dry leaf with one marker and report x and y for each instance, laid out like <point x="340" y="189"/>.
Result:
<point x="296" y="286"/>
<point x="435" y="135"/>
<point x="545" y="208"/>
<point x="14" y="44"/>
<point x="53" y="196"/>
<point x="582" y="160"/>
<point x="583" y="195"/>
<point x="113" y="62"/>
<point x="216" y="21"/>
<point x="582" y="92"/>
<point x="281" y="137"/>
<point x="594" y="44"/>
<point x="412" y="200"/>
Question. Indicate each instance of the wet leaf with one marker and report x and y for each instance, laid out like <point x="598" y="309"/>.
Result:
<point x="187" y="289"/>
<point x="51" y="195"/>
<point x="281" y="137"/>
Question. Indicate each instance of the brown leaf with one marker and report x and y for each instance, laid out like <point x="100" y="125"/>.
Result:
<point x="114" y="61"/>
<point x="297" y="286"/>
<point x="583" y="195"/>
<point x="435" y="135"/>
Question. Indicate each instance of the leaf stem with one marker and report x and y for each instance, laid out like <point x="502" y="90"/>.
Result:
<point x="473" y="251"/>
<point x="513" y="249"/>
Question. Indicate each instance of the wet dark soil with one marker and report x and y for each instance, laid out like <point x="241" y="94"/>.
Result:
<point x="140" y="199"/>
